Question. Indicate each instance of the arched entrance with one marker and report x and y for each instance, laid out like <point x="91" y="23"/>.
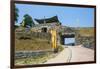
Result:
<point x="44" y="29"/>
<point x="68" y="39"/>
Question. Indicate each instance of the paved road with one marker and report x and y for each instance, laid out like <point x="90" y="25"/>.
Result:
<point x="73" y="54"/>
<point x="62" y="57"/>
<point x="81" y="54"/>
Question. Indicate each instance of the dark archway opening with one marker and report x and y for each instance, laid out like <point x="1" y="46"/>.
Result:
<point x="68" y="40"/>
<point x="44" y="29"/>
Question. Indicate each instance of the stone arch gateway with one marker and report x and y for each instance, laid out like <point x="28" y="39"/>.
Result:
<point x="68" y="35"/>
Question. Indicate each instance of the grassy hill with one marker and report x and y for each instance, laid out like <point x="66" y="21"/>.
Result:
<point x="85" y="36"/>
<point x="85" y="31"/>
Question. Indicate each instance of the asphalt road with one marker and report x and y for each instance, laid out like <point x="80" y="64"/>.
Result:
<point x="73" y="54"/>
<point x="62" y="57"/>
<point x="81" y="54"/>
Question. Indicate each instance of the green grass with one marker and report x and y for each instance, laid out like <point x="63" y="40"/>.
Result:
<point x="60" y="48"/>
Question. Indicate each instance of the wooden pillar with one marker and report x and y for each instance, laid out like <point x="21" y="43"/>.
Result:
<point x="54" y="40"/>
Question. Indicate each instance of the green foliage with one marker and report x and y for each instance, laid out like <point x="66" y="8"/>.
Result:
<point x="60" y="48"/>
<point x="16" y="14"/>
<point x="16" y="26"/>
<point x="27" y="21"/>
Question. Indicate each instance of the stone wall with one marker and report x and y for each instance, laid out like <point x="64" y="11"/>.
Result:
<point x="86" y="41"/>
<point x="31" y="35"/>
<point x="27" y="54"/>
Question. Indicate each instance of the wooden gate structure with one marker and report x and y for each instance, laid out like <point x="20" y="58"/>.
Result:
<point x="54" y="40"/>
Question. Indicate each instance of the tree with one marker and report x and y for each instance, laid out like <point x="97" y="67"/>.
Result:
<point x="16" y="14"/>
<point x="27" y="21"/>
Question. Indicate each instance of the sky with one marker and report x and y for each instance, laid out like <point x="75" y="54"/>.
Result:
<point x="68" y="16"/>
<point x="69" y="40"/>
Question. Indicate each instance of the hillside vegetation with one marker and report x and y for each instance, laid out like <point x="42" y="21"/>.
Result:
<point x="32" y="41"/>
<point x="86" y="31"/>
<point x="86" y="37"/>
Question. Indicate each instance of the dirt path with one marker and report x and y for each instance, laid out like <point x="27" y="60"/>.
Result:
<point x="73" y="54"/>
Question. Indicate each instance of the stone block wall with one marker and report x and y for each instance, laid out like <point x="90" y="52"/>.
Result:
<point x="86" y="41"/>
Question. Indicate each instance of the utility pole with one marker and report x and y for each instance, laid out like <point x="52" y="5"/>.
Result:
<point x="44" y="20"/>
